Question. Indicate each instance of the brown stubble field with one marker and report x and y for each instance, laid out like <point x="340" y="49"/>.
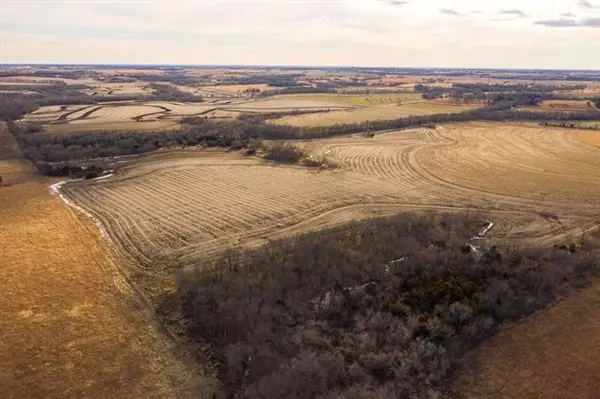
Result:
<point x="79" y="315"/>
<point x="72" y="325"/>
<point x="176" y="209"/>
<point x="173" y="210"/>
<point x="159" y="115"/>
<point x="375" y="112"/>
<point x="553" y="354"/>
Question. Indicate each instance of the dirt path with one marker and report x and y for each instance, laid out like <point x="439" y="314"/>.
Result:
<point x="71" y="326"/>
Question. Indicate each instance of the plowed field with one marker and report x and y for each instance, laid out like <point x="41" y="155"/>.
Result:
<point x="374" y="112"/>
<point x="153" y="115"/>
<point x="72" y="326"/>
<point x="536" y="183"/>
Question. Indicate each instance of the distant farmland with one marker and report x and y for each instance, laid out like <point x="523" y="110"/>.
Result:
<point x="155" y="115"/>
<point x="373" y="113"/>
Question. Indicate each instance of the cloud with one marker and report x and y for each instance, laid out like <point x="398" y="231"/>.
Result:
<point x="558" y="23"/>
<point x="570" y="23"/>
<point x="588" y="4"/>
<point x="567" y="15"/>
<point x="591" y="22"/>
<point x="514" y="12"/>
<point x="449" y="11"/>
<point x="397" y="3"/>
<point x="302" y="31"/>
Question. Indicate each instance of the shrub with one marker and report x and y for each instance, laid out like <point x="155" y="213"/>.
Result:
<point x="284" y="153"/>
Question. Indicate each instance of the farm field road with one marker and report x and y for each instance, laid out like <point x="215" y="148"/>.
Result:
<point x="71" y="326"/>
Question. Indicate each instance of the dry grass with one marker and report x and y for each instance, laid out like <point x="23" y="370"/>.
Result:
<point x="568" y="105"/>
<point x="229" y="90"/>
<point x="32" y="80"/>
<point x="58" y="120"/>
<point x="161" y="213"/>
<point x="364" y="100"/>
<point x="540" y="109"/>
<point x="117" y="89"/>
<point x="378" y="112"/>
<point x="589" y="92"/>
<point x="553" y="354"/>
<point x="82" y="127"/>
<point x="70" y="324"/>
<point x="13" y="168"/>
<point x="590" y="136"/>
<point x="179" y="220"/>
<point x="155" y="115"/>
<point x="283" y="103"/>
<point x="524" y="160"/>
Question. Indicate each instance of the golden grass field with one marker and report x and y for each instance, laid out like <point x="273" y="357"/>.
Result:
<point x="360" y="99"/>
<point x="117" y="89"/>
<point x="549" y="164"/>
<point x="75" y="315"/>
<point x="553" y="354"/>
<point x="72" y="326"/>
<point x="155" y="115"/>
<point x="176" y="209"/>
<point x="568" y="105"/>
<point x="33" y="80"/>
<point x="591" y="137"/>
<point x="372" y="113"/>
<point x="230" y="90"/>
<point x="171" y="209"/>
<point x="164" y="115"/>
<point x="537" y="184"/>
<point x="13" y="168"/>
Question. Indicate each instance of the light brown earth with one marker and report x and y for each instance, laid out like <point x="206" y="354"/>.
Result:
<point x="537" y="184"/>
<point x="13" y="168"/>
<point x="591" y="137"/>
<point x="117" y="89"/>
<point x="524" y="160"/>
<point x="230" y="90"/>
<point x="372" y="113"/>
<point x="72" y="326"/>
<point x="568" y="105"/>
<point x="33" y="80"/>
<point x="553" y="355"/>
<point x="158" y="115"/>
<point x="171" y="209"/>
<point x="360" y="99"/>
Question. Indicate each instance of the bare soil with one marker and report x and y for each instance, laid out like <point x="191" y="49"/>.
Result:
<point x="553" y="354"/>
<point x="72" y="325"/>
<point x="170" y="210"/>
<point x="374" y="112"/>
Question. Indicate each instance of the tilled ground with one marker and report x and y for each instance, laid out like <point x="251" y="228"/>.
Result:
<point x="72" y="326"/>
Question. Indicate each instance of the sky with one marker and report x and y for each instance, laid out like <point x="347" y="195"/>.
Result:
<point x="395" y="33"/>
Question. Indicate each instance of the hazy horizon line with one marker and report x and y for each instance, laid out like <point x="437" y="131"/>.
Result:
<point x="293" y="66"/>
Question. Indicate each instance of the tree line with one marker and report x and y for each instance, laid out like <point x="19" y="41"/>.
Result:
<point x="45" y="149"/>
<point x="197" y="131"/>
<point x="14" y="105"/>
<point x="496" y="95"/>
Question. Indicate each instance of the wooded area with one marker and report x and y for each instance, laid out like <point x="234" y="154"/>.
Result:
<point x="378" y="309"/>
